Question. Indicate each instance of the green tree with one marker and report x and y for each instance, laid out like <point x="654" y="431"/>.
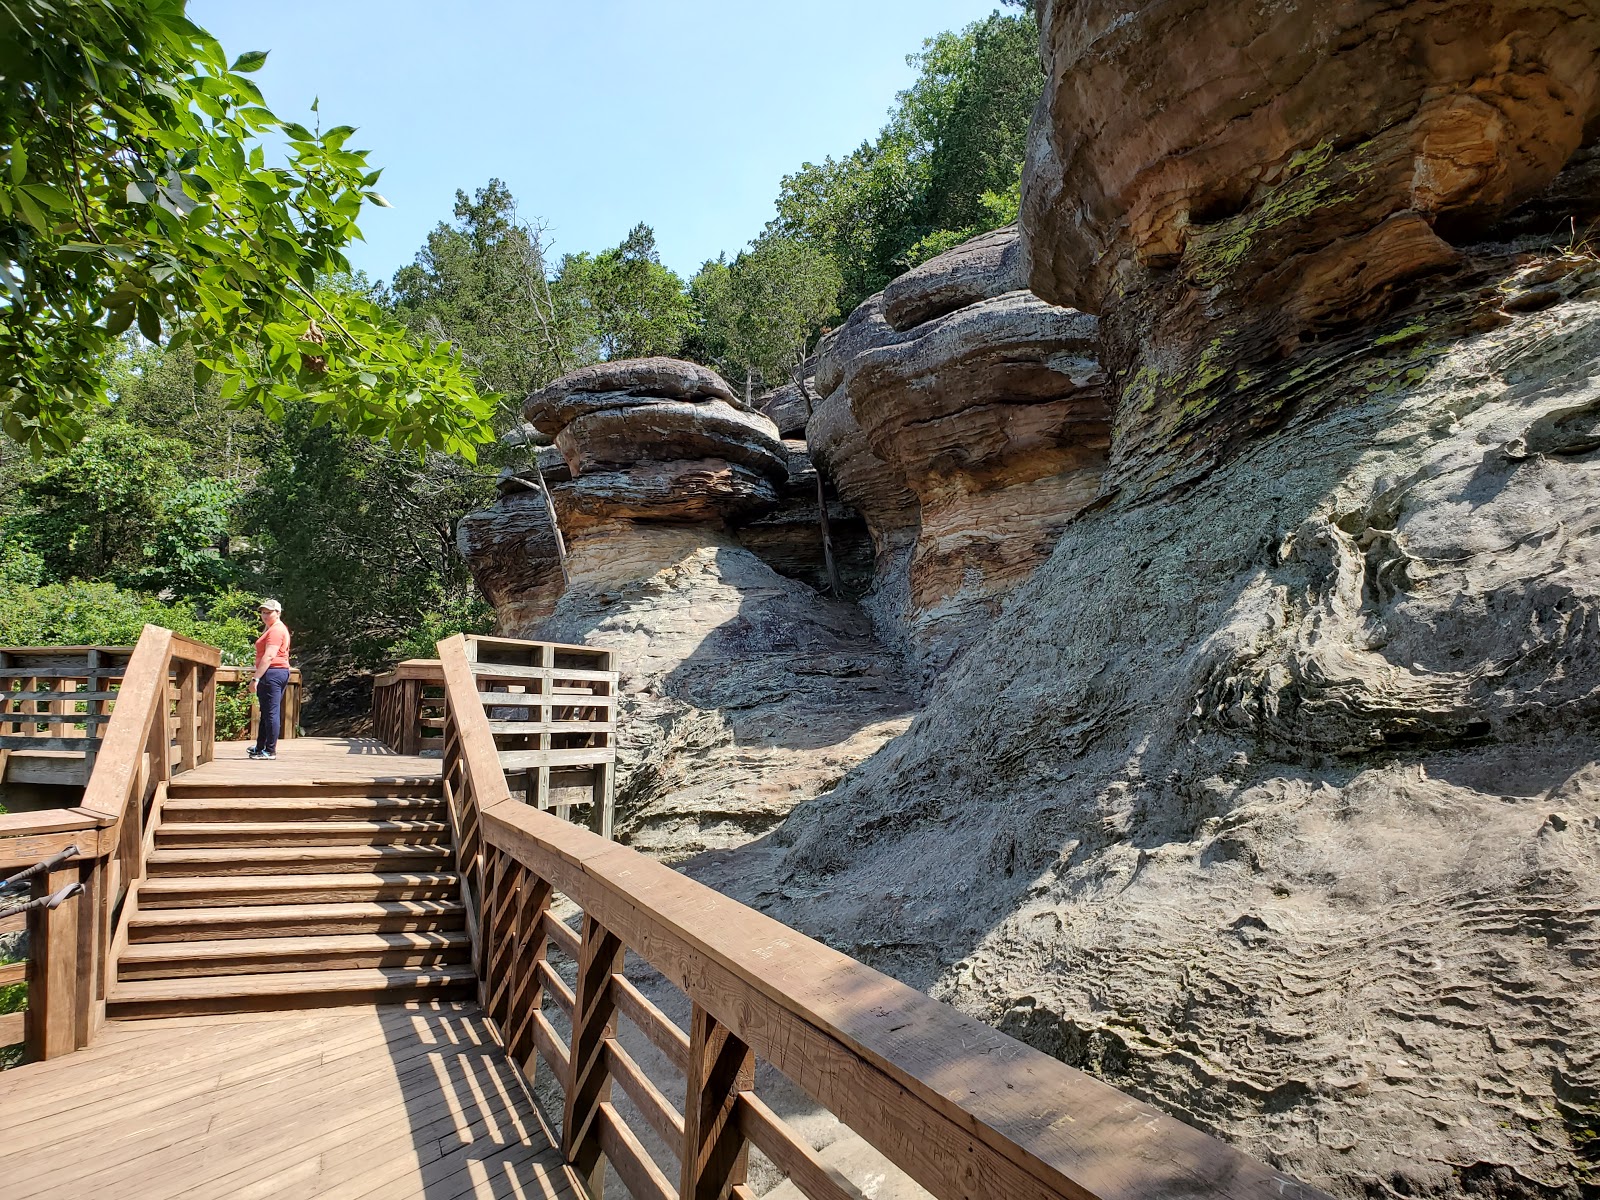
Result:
<point x="134" y="189"/>
<point x="483" y="283"/>
<point x="625" y="303"/>
<point x="357" y="539"/>
<point x="758" y="314"/>
<point x="945" y="168"/>
<point x="124" y="505"/>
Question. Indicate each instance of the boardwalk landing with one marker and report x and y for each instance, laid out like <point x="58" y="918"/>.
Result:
<point x="390" y="1101"/>
<point x="413" y="1100"/>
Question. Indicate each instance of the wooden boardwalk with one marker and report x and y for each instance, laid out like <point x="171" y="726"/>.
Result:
<point x="314" y="760"/>
<point x="341" y="1104"/>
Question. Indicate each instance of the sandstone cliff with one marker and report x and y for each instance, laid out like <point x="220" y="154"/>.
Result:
<point x="1273" y="795"/>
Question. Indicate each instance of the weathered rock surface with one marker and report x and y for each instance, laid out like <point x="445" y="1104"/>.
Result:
<point x="743" y="692"/>
<point x="989" y="265"/>
<point x="967" y="422"/>
<point x="789" y="538"/>
<point x="1226" y="183"/>
<point x="1276" y="800"/>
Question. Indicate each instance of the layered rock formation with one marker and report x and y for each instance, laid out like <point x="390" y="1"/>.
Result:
<point x="1274" y="794"/>
<point x="744" y="691"/>
<point x="1291" y="170"/>
<point x="967" y="423"/>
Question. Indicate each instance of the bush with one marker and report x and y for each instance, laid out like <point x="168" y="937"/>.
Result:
<point x="101" y="614"/>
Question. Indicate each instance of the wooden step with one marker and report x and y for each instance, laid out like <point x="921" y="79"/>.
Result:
<point x="289" y="920"/>
<point x="303" y="808"/>
<point x="298" y="860"/>
<point x="141" y="998"/>
<point x="409" y="785"/>
<point x="211" y="891"/>
<point x="175" y="835"/>
<point x="253" y="956"/>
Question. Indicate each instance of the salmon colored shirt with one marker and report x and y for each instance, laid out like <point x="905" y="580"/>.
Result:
<point x="272" y="647"/>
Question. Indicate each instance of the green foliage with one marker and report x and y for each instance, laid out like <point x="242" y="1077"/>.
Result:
<point x="758" y="314"/>
<point x="624" y="303"/>
<point x="233" y="711"/>
<point x="945" y="168"/>
<point x="134" y="189"/>
<point x="356" y="539"/>
<point x="461" y="614"/>
<point x="483" y="283"/>
<point x="123" y="505"/>
<point x="13" y="998"/>
<point x="82" y="613"/>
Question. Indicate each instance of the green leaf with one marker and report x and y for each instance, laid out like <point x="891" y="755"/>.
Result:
<point x="19" y="163"/>
<point x="119" y="320"/>
<point x="250" y="60"/>
<point x="377" y="199"/>
<point x="150" y="322"/>
<point x="31" y="212"/>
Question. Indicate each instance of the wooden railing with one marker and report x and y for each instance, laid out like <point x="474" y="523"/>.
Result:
<point x="54" y="702"/>
<point x="552" y="714"/>
<point x="408" y="706"/>
<point x="162" y="722"/>
<point x="966" y="1111"/>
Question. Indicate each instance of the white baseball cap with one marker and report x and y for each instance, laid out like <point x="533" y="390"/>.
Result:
<point x="273" y="605"/>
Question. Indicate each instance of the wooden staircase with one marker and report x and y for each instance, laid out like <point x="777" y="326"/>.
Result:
<point x="295" y="895"/>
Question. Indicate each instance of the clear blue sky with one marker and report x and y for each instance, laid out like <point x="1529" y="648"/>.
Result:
<point x="598" y="114"/>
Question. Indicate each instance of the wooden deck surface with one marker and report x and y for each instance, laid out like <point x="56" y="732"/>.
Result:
<point x="313" y="760"/>
<point x="339" y="1104"/>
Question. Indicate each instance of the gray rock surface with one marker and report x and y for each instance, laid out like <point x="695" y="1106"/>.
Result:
<point x="989" y="265"/>
<point x="1275" y="798"/>
<point x="743" y="693"/>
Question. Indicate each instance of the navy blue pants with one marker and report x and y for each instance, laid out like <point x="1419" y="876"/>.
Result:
<point x="269" y="694"/>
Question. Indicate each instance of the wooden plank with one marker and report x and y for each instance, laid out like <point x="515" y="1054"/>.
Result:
<point x="53" y="974"/>
<point x="656" y="1109"/>
<point x="714" y="1154"/>
<point x="28" y="742"/>
<point x="599" y="726"/>
<point x="634" y="1166"/>
<point x="652" y="1022"/>
<point x="13" y="1028"/>
<point x="767" y="1131"/>
<point x="963" y="1109"/>
<point x="10" y="973"/>
<point x="551" y="1048"/>
<point x="20" y="852"/>
<point x="559" y="932"/>
<point x="587" y="756"/>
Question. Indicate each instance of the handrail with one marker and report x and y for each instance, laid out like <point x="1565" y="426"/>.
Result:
<point x="963" y="1109"/>
<point x="163" y="721"/>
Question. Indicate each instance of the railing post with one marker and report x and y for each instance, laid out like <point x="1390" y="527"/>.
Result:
<point x="715" y="1154"/>
<point x="188" y="716"/>
<point x="53" y="968"/>
<point x="594" y="1019"/>
<point x="208" y="714"/>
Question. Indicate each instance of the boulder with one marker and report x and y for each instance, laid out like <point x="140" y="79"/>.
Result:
<point x="511" y="551"/>
<point x="789" y="537"/>
<point x="789" y="408"/>
<point x="967" y="424"/>
<point x="989" y="265"/>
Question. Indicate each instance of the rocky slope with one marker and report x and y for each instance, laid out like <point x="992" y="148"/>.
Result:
<point x="744" y="691"/>
<point x="1273" y="795"/>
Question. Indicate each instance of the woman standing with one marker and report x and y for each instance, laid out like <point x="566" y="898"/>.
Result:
<point x="271" y="677"/>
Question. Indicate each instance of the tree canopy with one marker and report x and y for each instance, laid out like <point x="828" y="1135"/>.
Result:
<point x="135" y="190"/>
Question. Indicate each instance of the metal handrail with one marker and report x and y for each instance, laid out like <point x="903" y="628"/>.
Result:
<point x="25" y="877"/>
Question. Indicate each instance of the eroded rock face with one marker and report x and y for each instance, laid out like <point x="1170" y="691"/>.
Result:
<point x="743" y="691"/>
<point x="1228" y="183"/>
<point x="968" y="424"/>
<point x="1277" y="801"/>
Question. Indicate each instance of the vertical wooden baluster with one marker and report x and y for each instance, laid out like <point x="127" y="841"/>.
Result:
<point x="544" y="656"/>
<point x="715" y="1155"/>
<point x="188" y="717"/>
<point x="208" y="713"/>
<point x="94" y="725"/>
<point x="594" y="1019"/>
<point x="52" y="969"/>
<point x="499" y="925"/>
